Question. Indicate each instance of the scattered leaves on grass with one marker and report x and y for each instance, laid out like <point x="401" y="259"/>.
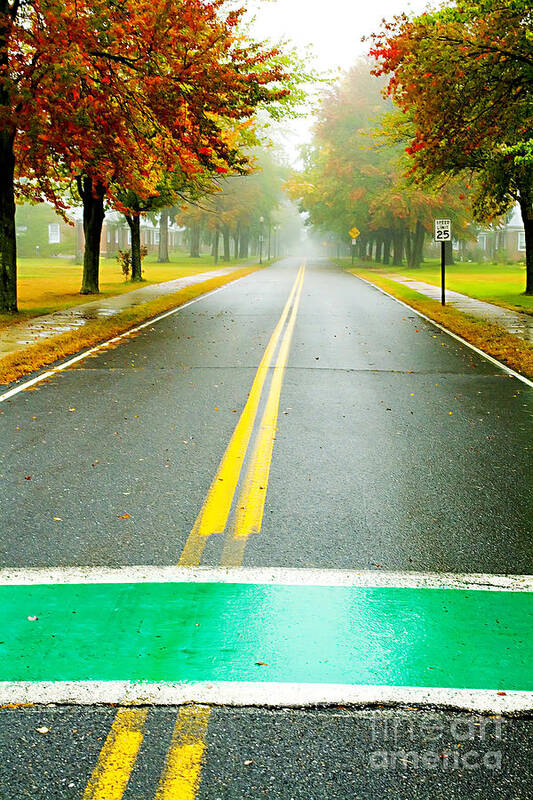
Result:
<point x="33" y="619"/>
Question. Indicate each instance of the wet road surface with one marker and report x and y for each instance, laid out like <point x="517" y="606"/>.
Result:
<point x="397" y="451"/>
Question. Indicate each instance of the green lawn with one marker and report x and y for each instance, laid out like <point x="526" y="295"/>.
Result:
<point x="502" y="284"/>
<point x="49" y="284"/>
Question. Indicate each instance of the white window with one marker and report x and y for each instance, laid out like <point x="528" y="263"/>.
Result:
<point x="482" y="241"/>
<point x="54" y="233"/>
<point x="116" y="235"/>
<point x="129" y="235"/>
<point x="108" y="236"/>
<point x="521" y="240"/>
<point x="156" y="237"/>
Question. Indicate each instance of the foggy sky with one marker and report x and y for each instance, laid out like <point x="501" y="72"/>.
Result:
<point x="333" y="28"/>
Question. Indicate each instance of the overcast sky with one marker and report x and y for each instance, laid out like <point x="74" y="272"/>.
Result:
<point x="333" y="28"/>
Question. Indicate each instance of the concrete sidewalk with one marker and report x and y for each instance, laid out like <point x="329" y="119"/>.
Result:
<point x="20" y="336"/>
<point x="514" y="322"/>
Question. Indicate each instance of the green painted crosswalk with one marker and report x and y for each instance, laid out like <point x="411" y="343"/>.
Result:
<point x="208" y="632"/>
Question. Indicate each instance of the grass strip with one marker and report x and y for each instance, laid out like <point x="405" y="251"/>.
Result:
<point x="43" y="354"/>
<point x="492" y="339"/>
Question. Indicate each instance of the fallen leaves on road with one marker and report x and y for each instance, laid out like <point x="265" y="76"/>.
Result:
<point x="43" y="729"/>
<point x="124" y="516"/>
<point x="33" y="619"/>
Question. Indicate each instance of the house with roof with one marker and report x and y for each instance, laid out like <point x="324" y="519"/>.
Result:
<point x="505" y="242"/>
<point x="41" y="233"/>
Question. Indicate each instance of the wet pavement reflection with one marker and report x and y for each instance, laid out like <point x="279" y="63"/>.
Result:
<point x="18" y="337"/>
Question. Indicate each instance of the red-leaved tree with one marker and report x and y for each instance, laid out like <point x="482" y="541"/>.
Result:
<point x="112" y="96"/>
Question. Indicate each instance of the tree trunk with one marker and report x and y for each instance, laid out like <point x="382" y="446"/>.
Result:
<point x="420" y="236"/>
<point x="92" y="196"/>
<point x="236" y="244"/>
<point x="409" y="247"/>
<point x="195" y="240"/>
<point x="216" y="237"/>
<point x="134" y="223"/>
<point x="380" y="246"/>
<point x="387" y="247"/>
<point x="415" y="246"/>
<point x="245" y="243"/>
<point x="526" y="207"/>
<point x="397" y="253"/>
<point x="162" y="257"/>
<point x="227" y="242"/>
<point x="8" y="234"/>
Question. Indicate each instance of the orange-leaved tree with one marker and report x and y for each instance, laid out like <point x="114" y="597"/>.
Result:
<point x="463" y="75"/>
<point x="112" y="96"/>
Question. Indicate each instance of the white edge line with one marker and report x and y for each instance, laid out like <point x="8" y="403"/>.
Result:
<point x="261" y="694"/>
<point x="264" y="576"/>
<point x="49" y="373"/>
<point x="482" y="353"/>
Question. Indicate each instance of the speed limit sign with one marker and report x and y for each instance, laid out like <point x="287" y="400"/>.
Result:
<point x="443" y="230"/>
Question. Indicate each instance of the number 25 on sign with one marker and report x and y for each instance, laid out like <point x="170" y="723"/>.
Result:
<point x="443" y="230"/>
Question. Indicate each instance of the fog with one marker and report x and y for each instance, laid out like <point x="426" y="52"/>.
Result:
<point x="328" y="36"/>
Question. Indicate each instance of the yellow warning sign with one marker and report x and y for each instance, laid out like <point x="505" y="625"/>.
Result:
<point x="354" y="233"/>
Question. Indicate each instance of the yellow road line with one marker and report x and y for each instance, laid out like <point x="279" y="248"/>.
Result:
<point x="215" y="511"/>
<point x="181" y="775"/>
<point x="251" y="503"/>
<point x="118" y="755"/>
<point x="182" y="772"/>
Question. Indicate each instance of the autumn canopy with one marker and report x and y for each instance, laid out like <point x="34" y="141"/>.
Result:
<point x="116" y="100"/>
<point x="463" y="77"/>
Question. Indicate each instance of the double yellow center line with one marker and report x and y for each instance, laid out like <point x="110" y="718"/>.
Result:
<point x="214" y="515"/>
<point x="180" y="778"/>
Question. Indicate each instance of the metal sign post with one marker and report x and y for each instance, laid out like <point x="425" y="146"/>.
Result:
<point x="354" y="233"/>
<point x="354" y="242"/>
<point x="443" y="234"/>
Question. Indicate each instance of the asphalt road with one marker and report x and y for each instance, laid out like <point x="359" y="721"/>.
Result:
<point x="396" y="445"/>
<point x="397" y="449"/>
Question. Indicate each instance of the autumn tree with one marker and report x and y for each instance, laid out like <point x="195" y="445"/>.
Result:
<point x="233" y="209"/>
<point x="112" y="95"/>
<point x="354" y="175"/>
<point x="341" y="168"/>
<point x="463" y="75"/>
